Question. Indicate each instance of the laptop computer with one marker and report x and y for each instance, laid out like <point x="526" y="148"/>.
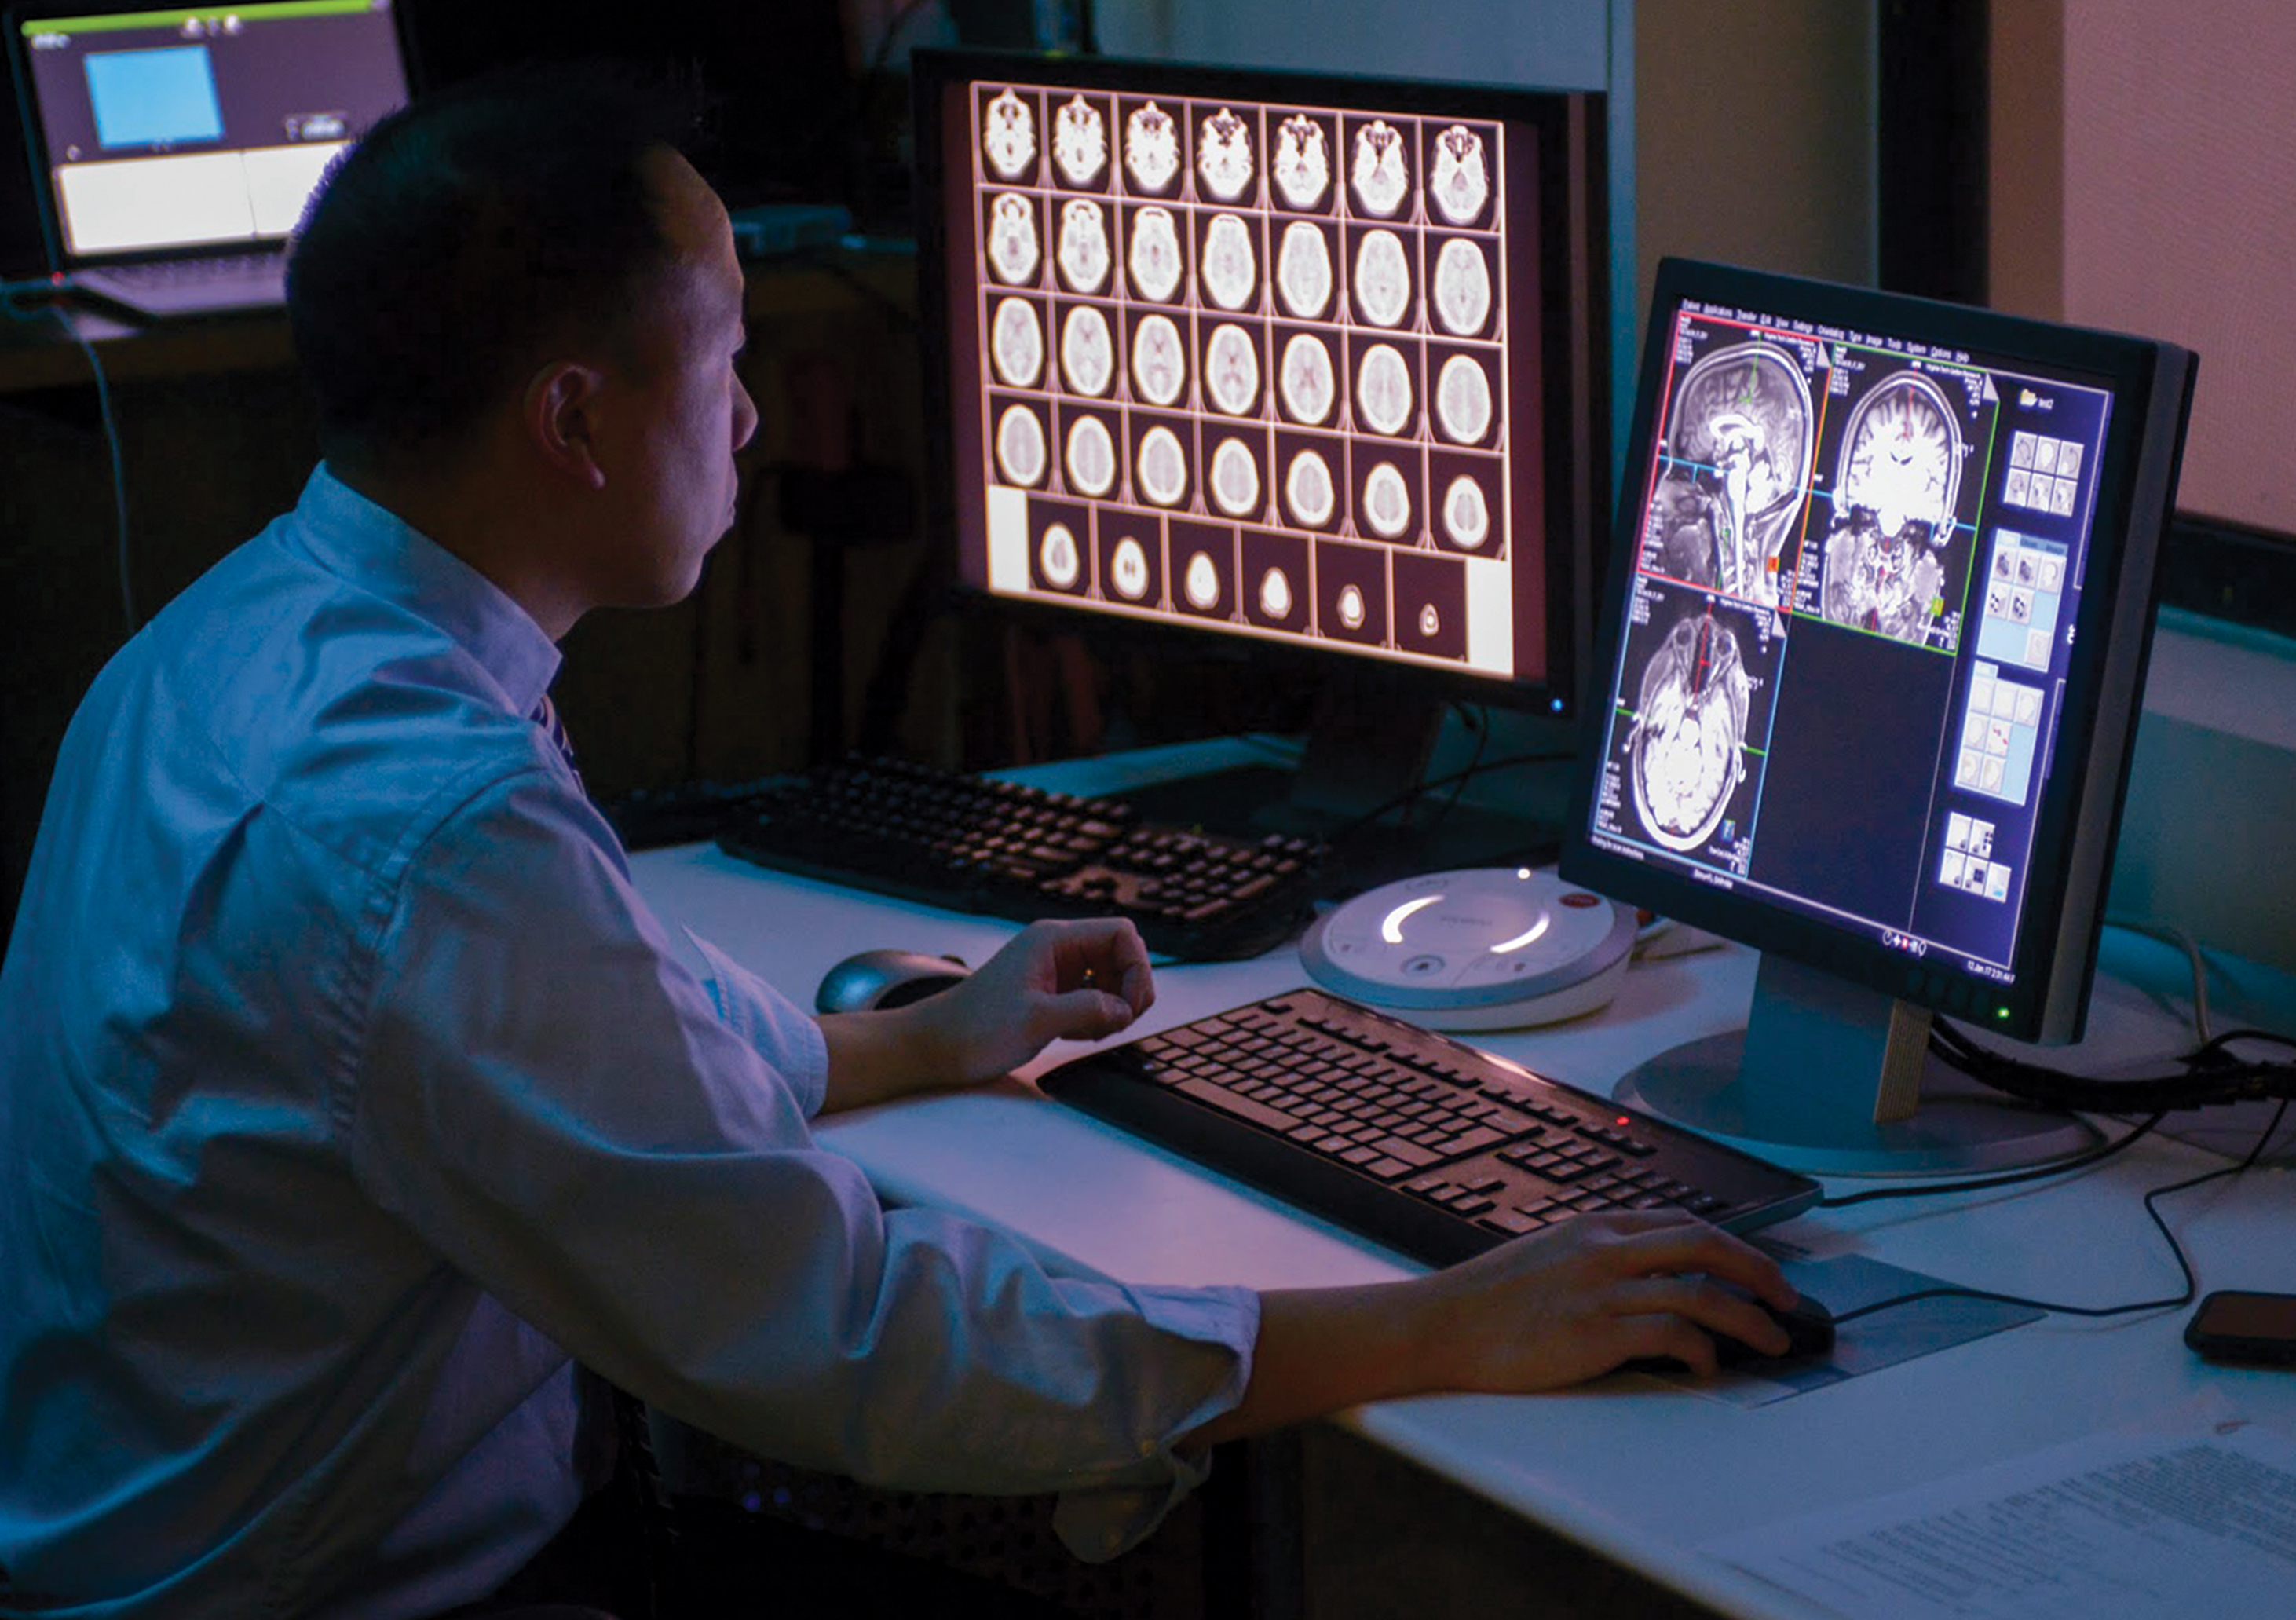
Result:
<point x="174" y="150"/>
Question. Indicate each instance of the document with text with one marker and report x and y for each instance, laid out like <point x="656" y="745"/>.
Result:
<point x="2137" y="1526"/>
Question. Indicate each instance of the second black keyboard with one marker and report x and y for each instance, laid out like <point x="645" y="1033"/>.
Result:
<point x="979" y="844"/>
<point x="1408" y="1137"/>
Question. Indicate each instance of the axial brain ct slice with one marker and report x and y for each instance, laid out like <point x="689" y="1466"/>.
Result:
<point x="1155" y="254"/>
<point x="1079" y="141"/>
<point x="1231" y="269"/>
<point x="1083" y="253"/>
<point x="1008" y="136"/>
<point x="1303" y="270"/>
<point x="1383" y="278"/>
<point x="1302" y="167"/>
<point x="1684" y="754"/>
<point x="1895" y="489"/>
<point x="1383" y="391"/>
<point x="1737" y="458"/>
<point x="1463" y="288"/>
<point x="1380" y="173"/>
<point x="1224" y="156"/>
<point x="1013" y="248"/>
<point x="1151" y="147"/>
<point x="1160" y="366"/>
<point x="1308" y="387"/>
<point x="1460" y="184"/>
<point x="1017" y="343"/>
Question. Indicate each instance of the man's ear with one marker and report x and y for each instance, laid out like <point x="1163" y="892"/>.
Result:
<point x="561" y="417"/>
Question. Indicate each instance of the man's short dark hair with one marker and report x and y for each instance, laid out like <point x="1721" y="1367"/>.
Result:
<point x="463" y="231"/>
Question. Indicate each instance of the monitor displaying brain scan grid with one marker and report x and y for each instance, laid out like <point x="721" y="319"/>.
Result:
<point x="1269" y="357"/>
<point x="1872" y="653"/>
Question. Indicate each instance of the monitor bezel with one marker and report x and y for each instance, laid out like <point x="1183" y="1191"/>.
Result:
<point x="1574" y="158"/>
<point x="2078" y="809"/>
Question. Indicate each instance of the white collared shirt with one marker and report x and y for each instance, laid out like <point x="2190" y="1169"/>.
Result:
<point x="349" y="1092"/>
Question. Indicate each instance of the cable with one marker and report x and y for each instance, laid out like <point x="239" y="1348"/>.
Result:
<point x="2081" y="1161"/>
<point x="1423" y="789"/>
<point x="2151" y="1208"/>
<point x="9" y="294"/>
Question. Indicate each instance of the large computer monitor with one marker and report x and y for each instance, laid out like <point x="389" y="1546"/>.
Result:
<point x="1870" y="665"/>
<point x="1306" y="369"/>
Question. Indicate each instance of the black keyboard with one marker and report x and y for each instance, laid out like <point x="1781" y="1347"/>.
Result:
<point x="1403" y="1135"/>
<point x="974" y="844"/>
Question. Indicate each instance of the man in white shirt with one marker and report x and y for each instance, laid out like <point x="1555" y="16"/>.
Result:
<point x="353" y="1097"/>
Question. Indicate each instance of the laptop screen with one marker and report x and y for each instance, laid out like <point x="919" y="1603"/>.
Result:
<point x="165" y="130"/>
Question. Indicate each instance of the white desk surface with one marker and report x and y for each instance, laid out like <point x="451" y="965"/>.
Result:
<point x="1636" y="1468"/>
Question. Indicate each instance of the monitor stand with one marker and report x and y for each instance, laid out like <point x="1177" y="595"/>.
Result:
<point x="1834" y="1079"/>
<point x="1367" y="749"/>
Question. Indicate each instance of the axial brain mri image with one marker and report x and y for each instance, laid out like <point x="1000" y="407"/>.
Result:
<point x="1683" y="752"/>
<point x="1895" y="490"/>
<point x="1738" y="448"/>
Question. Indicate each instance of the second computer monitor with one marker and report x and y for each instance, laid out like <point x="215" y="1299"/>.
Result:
<point x="1872" y="660"/>
<point x="1312" y="365"/>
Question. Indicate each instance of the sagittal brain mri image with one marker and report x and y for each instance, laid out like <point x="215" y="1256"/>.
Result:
<point x="1898" y="478"/>
<point x="1737" y="454"/>
<point x="1685" y="752"/>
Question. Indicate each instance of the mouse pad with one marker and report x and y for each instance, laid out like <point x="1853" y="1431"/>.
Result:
<point x="1902" y="1333"/>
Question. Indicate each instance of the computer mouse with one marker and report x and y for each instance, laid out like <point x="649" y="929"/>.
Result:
<point x="1809" y="1328"/>
<point x="872" y="981"/>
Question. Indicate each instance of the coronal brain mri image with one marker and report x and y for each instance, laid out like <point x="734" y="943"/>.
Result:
<point x="1737" y="454"/>
<point x="1895" y="493"/>
<point x="1684" y="755"/>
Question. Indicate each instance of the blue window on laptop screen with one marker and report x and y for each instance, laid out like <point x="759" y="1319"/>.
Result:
<point x="149" y="98"/>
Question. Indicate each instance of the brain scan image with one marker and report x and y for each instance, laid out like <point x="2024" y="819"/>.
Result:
<point x="1380" y="173"/>
<point x="1308" y="388"/>
<point x="1387" y="502"/>
<point x="1308" y="489"/>
<point x="1163" y="467"/>
<point x="1159" y="363"/>
<point x="1128" y="569"/>
<point x="1232" y="369"/>
<point x="1897" y="481"/>
<point x="1087" y="352"/>
<point x="1224" y="156"/>
<point x="1276" y="596"/>
<point x="1463" y="400"/>
<point x="1083" y="253"/>
<point x="1684" y="753"/>
<point x="1199" y="582"/>
<point x="1231" y="269"/>
<point x="1020" y="445"/>
<point x="1466" y="516"/>
<point x="1016" y="342"/>
<point x="1461" y="184"/>
<point x="1057" y="557"/>
<point x="1008" y="136"/>
<point x="1151" y="147"/>
<point x="1463" y="288"/>
<point x="1383" y="391"/>
<point x="1739" y="447"/>
<point x="1351" y="607"/>
<point x="1383" y="278"/>
<point x="1155" y="254"/>
<point x="1091" y="456"/>
<point x="1079" y="141"/>
<point x="1236" y="479"/>
<point x="1013" y="248"/>
<point x="1430" y="622"/>
<point x="1301" y="167"/>
<point x="1303" y="270"/>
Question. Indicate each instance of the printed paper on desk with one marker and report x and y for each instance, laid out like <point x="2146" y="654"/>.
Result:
<point x="2140" y="1527"/>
